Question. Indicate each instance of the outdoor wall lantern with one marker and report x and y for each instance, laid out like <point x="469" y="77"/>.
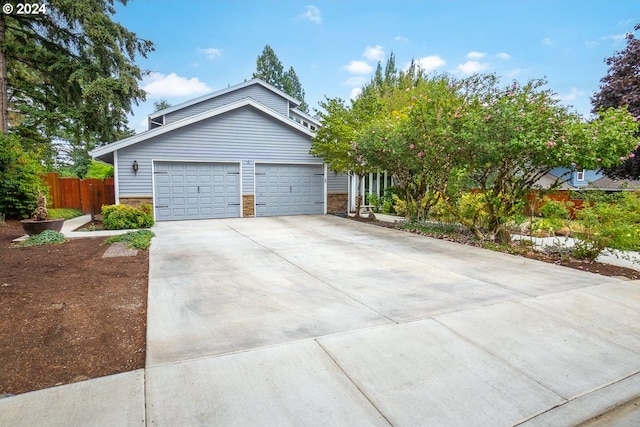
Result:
<point x="135" y="167"/>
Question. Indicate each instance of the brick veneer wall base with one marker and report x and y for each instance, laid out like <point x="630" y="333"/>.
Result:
<point x="136" y="201"/>
<point x="248" y="205"/>
<point x="337" y="202"/>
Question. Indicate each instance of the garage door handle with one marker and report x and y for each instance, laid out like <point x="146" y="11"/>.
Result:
<point x="290" y="189"/>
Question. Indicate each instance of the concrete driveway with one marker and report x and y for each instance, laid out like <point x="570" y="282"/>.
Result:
<point x="319" y="320"/>
<point x="325" y="321"/>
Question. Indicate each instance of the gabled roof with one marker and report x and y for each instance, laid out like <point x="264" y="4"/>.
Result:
<point x="106" y="151"/>
<point x="244" y="84"/>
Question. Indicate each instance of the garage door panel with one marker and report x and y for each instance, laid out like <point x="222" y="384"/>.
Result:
<point x="289" y="189"/>
<point x="197" y="190"/>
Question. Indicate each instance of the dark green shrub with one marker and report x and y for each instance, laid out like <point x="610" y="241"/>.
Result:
<point x="555" y="209"/>
<point x="20" y="178"/>
<point x="124" y="217"/>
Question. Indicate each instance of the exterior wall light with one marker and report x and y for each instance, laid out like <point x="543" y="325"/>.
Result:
<point x="135" y="167"/>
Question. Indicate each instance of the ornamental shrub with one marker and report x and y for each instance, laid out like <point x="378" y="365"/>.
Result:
<point x="555" y="209"/>
<point x="47" y="237"/>
<point x="124" y="217"/>
<point x="139" y="239"/>
<point x="20" y="178"/>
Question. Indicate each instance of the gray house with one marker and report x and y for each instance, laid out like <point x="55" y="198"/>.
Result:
<point x="239" y="152"/>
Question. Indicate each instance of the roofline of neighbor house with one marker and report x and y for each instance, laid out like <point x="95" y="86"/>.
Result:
<point x="206" y="97"/>
<point x="123" y="143"/>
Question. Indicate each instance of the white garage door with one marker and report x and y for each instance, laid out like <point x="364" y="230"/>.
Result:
<point x="187" y="190"/>
<point x="289" y="189"/>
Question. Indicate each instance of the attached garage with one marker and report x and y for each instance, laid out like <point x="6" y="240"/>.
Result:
<point x="190" y="190"/>
<point x="242" y="151"/>
<point x="289" y="189"/>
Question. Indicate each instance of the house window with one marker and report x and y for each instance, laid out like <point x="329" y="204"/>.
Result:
<point x="580" y="175"/>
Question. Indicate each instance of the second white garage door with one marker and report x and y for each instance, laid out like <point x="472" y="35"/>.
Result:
<point x="283" y="189"/>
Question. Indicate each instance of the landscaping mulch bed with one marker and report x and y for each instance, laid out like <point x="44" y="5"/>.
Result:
<point x="558" y="259"/>
<point x="68" y="314"/>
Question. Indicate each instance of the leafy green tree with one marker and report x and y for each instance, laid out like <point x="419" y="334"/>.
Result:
<point x="99" y="170"/>
<point x="161" y="104"/>
<point x="68" y="73"/>
<point x="518" y="133"/>
<point x="291" y="86"/>
<point x="270" y="69"/>
<point x="419" y="143"/>
<point x="20" y="178"/>
<point x="621" y="87"/>
<point x="335" y="140"/>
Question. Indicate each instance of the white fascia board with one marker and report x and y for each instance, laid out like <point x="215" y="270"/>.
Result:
<point x="306" y="116"/>
<point x="220" y="92"/>
<point x="194" y="119"/>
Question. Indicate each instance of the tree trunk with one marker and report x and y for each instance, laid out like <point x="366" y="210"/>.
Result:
<point x="4" y="102"/>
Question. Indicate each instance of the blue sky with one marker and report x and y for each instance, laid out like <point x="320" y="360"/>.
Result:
<point x="334" y="46"/>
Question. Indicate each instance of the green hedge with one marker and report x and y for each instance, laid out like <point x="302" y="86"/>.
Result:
<point x="124" y="217"/>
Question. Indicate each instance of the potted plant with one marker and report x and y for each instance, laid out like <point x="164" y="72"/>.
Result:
<point x="39" y="221"/>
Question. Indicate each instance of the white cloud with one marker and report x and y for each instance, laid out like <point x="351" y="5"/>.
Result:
<point x="513" y="73"/>
<point x="312" y="13"/>
<point x="471" y="67"/>
<point x="401" y="39"/>
<point x="355" y="92"/>
<point x="548" y="41"/>
<point x="358" y="67"/>
<point x="375" y="53"/>
<point x="158" y="85"/>
<point x="503" y="55"/>
<point x="616" y="38"/>
<point x="355" y="81"/>
<point x="211" y="52"/>
<point x="429" y="63"/>
<point x="476" y="55"/>
<point x="571" y="96"/>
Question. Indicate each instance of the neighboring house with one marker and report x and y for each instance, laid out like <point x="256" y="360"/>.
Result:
<point x="586" y="180"/>
<point x="239" y="152"/>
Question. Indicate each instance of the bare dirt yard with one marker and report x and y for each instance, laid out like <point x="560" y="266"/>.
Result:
<point x="67" y="314"/>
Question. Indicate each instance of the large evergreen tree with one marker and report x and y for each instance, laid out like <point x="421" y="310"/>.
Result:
<point x="68" y="73"/>
<point x="621" y="88"/>
<point x="270" y="69"/>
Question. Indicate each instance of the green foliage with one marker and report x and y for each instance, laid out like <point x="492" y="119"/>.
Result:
<point x="441" y="137"/>
<point x="124" y="217"/>
<point x="47" y="237"/>
<point x="71" y="74"/>
<point x="140" y="239"/>
<point x="65" y="213"/>
<point x="20" y="178"/>
<point x="99" y="170"/>
<point x="620" y="88"/>
<point x="161" y="104"/>
<point x="270" y="69"/>
<point x="547" y="226"/>
<point x="612" y="225"/>
<point x="555" y="209"/>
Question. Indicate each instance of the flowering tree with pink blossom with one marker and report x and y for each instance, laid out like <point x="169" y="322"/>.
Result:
<point x="419" y="144"/>
<point x="518" y="133"/>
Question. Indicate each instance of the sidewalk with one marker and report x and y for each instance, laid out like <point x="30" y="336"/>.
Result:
<point x="72" y="224"/>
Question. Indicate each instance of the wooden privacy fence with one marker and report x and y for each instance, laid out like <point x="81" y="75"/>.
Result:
<point x="88" y="195"/>
<point x="535" y="201"/>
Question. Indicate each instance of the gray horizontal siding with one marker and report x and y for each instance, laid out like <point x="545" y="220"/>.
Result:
<point x="246" y="135"/>
<point x="337" y="183"/>
<point x="256" y="92"/>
